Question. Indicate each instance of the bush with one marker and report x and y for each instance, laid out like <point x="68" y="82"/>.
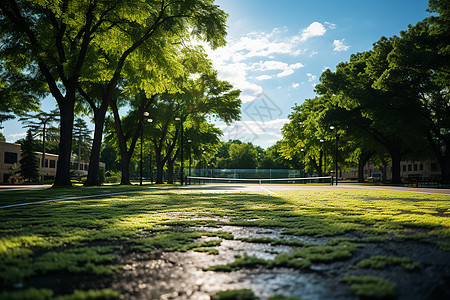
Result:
<point x="113" y="177"/>
<point x="101" y="175"/>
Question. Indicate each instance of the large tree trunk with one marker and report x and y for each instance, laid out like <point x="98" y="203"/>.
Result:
<point x="445" y="164"/>
<point x="159" y="167"/>
<point x="396" y="157"/>
<point x="125" y="164"/>
<point x="316" y="167"/>
<point x="66" y="109"/>
<point x="363" y="159"/>
<point x="170" y="171"/>
<point x="94" y="159"/>
<point x="124" y="152"/>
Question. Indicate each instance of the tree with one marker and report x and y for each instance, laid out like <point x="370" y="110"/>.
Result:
<point x="82" y="139"/>
<point x="29" y="162"/>
<point x="307" y="130"/>
<point x="243" y="156"/>
<point x="2" y="137"/>
<point x="109" y="157"/>
<point x="19" y="92"/>
<point x="38" y="123"/>
<point x="62" y="41"/>
<point x="382" y="115"/>
<point x="419" y="69"/>
<point x="195" y="99"/>
<point x="272" y="159"/>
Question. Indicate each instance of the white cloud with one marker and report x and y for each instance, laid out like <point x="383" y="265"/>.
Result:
<point x="314" y="29"/>
<point x="16" y="136"/>
<point x="339" y="45"/>
<point x="236" y="74"/>
<point x="295" y="85"/>
<point x="330" y="25"/>
<point x="287" y="69"/>
<point x="285" y="73"/>
<point x="311" y="77"/>
<point x="271" y="128"/>
<point x="263" y="77"/>
<point x="249" y="60"/>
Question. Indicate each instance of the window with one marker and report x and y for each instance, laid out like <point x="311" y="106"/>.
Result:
<point x="10" y="157"/>
<point x="46" y="163"/>
<point x="415" y="167"/>
<point x="52" y="163"/>
<point x="434" y="167"/>
<point x="404" y="168"/>
<point x="409" y="167"/>
<point x="421" y="167"/>
<point x="86" y="167"/>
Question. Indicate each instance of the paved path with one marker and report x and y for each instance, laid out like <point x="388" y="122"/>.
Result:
<point x="4" y="188"/>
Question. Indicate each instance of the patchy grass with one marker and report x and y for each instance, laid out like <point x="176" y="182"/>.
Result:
<point x="381" y="262"/>
<point x="243" y="294"/>
<point x="370" y="287"/>
<point x="46" y="294"/>
<point x="45" y="239"/>
<point x="274" y="242"/>
<point x="246" y="294"/>
<point x="297" y="259"/>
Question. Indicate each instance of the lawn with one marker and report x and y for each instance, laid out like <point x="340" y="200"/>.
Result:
<point x="151" y="244"/>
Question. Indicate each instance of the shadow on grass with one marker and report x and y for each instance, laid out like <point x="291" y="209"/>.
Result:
<point x="61" y="232"/>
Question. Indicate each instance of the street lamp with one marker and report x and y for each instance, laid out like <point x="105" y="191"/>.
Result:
<point x="145" y="114"/>
<point x="336" y="153"/>
<point x="190" y="159"/>
<point x="181" y="152"/>
<point x="321" y="157"/>
<point x="151" y="170"/>
<point x="303" y="154"/>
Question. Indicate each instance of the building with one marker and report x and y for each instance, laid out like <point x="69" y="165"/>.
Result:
<point x="427" y="168"/>
<point x="10" y="154"/>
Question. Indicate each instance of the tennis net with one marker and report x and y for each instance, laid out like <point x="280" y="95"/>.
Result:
<point x="304" y="180"/>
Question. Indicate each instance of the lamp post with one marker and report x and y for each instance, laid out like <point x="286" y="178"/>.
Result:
<point x="145" y="114"/>
<point x="303" y="164"/>
<point x="321" y="157"/>
<point x="181" y="152"/>
<point x="336" y="153"/>
<point x="151" y="170"/>
<point x="190" y="158"/>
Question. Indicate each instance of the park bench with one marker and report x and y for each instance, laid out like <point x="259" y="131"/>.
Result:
<point x="414" y="180"/>
<point x="432" y="181"/>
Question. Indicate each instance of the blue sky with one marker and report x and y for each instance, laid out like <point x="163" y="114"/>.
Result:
<point x="276" y="51"/>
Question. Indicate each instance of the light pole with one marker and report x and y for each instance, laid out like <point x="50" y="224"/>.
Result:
<point x="336" y="153"/>
<point x="181" y="152"/>
<point x="190" y="158"/>
<point x="151" y="170"/>
<point x="321" y="157"/>
<point x="303" y="164"/>
<point x="145" y="114"/>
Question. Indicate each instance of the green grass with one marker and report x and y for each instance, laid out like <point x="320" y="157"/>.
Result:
<point x="381" y="262"/>
<point x="65" y="236"/>
<point x="370" y="287"/>
<point x="298" y="259"/>
<point x="18" y="197"/>
<point x="46" y="294"/>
